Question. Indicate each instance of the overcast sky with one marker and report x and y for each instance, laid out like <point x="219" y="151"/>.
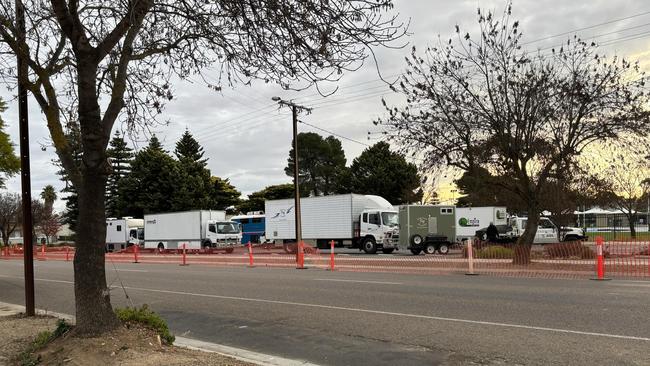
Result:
<point x="247" y="139"/>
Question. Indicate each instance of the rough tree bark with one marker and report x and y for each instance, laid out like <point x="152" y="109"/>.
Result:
<point x="525" y="241"/>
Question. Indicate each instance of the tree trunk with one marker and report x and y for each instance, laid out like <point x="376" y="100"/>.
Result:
<point x="525" y="241"/>
<point x="92" y="297"/>
<point x="631" y="220"/>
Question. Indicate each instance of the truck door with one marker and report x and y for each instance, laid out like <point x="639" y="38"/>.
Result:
<point x="546" y="231"/>
<point x="212" y="232"/>
<point x="432" y="225"/>
<point x="371" y="226"/>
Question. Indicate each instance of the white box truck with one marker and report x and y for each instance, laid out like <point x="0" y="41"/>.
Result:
<point x="198" y="229"/>
<point x="350" y="220"/>
<point x="471" y="219"/>
<point x="124" y="232"/>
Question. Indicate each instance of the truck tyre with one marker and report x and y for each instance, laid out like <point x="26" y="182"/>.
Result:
<point x="430" y="249"/>
<point x="207" y="244"/>
<point x="161" y="247"/>
<point x="443" y="248"/>
<point x="570" y="238"/>
<point x="370" y="246"/>
<point x="289" y="248"/>
<point x="416" y="240"/>
<point x="388" y="251"/>
<point x="416" y="251"/>
<point x="230" y="250"/>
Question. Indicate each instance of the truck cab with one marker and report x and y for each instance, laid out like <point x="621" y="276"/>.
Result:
<point x="377" y="229"/>
<point x="222" y="234"/>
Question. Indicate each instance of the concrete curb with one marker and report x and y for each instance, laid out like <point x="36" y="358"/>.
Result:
<point x="261" y="359"/>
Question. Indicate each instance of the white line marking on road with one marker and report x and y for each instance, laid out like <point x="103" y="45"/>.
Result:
<point x="368" y="311"/>
<point x="357" y="281"/>
<point x="127" y="270"/>
<point x="633" y="284"/>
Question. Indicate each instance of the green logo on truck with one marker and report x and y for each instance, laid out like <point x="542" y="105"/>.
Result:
<point x="465" y="222"/>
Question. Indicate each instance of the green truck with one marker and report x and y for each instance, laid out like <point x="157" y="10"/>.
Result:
<point x="427" y="228"/>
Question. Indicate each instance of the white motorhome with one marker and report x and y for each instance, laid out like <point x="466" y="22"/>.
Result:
<point x="350" y="220"/>
<point x="124" y="232"/>
<point x="196" y="229"/>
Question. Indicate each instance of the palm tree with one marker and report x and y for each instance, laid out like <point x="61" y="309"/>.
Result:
<point x="49" y="196"/>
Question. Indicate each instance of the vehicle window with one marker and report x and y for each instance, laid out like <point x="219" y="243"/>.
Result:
<point x="373" y="218"/>
<point x="212" y="228"/>
<point x="446" y="211"/>
<point x="546" y="224"/>
<point x="523" y="224"/>
<point x="227" y="228"/>
<point x="243" y="221"/>
<point x="133" y="233"/>
<point x="365" y="218"/>
<point x="141" y="234"/>
<point x="256" y="220"/>
<point x="119" y="228"/>
<point x="390" y="219"/>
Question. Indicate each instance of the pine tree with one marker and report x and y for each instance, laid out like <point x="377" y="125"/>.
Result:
<point x="152" y="184"/>
<point x="121" y="157"/>
<point x="196" y="188"/>
<point x="189" y="150"/>
<point x="70" y="197"/>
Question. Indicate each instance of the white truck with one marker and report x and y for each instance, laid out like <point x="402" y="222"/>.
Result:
<point x="471" y="219"/>
<point x="351" y="220"/>
<point x="124" y="232"/>
<point x="547" y="231"/>
<point x="200" y="229"/>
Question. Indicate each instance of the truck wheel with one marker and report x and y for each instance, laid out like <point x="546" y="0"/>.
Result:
<point x="161" y="247"/>
<point x="443" y="248"/>
<point x="416" y="239"/>
<point x="416" y="251"/>
<point x="207" y="244"/>
<point x="289" y="248"/>
<point x="388" y="251"/>
<point x="430" y="249"/>
<point x="230" y="250"/>
<point x="370" y="246"/>
<point x="570" y="238"/>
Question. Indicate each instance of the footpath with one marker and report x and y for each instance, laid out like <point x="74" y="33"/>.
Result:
<point x="27" y="341"/>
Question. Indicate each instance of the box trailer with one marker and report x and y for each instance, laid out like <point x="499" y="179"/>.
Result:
<point x="427" y="228"/>
<point x="196" y="229"/>
<point x="358" y="221"/>
<point x="471" y="219"/>
<point x="124" y="232"/>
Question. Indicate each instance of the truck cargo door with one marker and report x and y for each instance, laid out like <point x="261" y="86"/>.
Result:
<point x="433" y="225"/>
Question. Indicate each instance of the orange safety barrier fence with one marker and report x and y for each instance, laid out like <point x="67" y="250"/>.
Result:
<point x="621" y="259"/>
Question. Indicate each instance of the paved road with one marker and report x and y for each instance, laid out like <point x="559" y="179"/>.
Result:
<point x="376" y="319"/>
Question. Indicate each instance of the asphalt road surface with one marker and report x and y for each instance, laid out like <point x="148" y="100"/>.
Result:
<point x="375" y="319"/>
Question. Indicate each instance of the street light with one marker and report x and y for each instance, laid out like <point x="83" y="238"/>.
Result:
<point x="295" y="109"/>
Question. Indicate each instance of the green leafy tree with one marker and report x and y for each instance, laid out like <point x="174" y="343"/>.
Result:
<point x="9" y="162"/>
<point x="48" y="195"/>
<point x="152" y="184"/>
<point x="224" y="194"/>
<point x="120" y="156"/>
<point x="195" y="186"/>
<point x="321" y="165"/>
<point x="255" y="201"/>
<point x="382" y="172"/>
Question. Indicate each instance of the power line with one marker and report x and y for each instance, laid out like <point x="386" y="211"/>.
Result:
<point x="334" y="133"/>
<point x="586" y="28"/>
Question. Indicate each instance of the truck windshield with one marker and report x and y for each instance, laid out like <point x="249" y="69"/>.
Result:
<point x="227" y="228"/>
<point x="141" y="233"/>
<point x="389" y="218"/>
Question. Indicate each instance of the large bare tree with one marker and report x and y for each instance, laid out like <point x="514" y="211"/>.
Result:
<point x="110" y="62"/>
<point x="486" y="102"/>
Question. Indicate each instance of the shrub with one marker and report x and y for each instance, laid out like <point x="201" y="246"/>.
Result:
<point x="495" y="252"/>
<point x="42" y="340"/>
<point x="569" y="250"/>
<point x="148" y="318"/>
